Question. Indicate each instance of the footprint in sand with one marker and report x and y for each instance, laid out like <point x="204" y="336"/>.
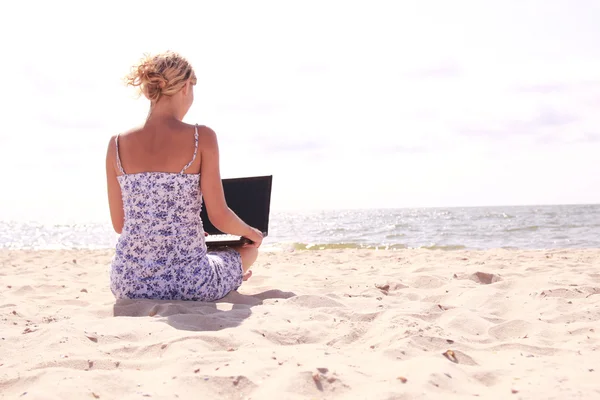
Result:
<point x="570" y="293"/>
<point x="515" y="329"/>
<point x="312" y="301"/>
<point x="386" y="288"/>
<point x="483" y="278"/>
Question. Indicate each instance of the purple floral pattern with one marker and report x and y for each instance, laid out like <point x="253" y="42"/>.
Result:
<point x="161" y="253"/>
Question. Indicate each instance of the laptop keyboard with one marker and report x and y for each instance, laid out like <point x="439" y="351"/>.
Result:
<point x="220" y="237"/>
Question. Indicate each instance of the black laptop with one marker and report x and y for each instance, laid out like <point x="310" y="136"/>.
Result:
<point x="250" y="199"/>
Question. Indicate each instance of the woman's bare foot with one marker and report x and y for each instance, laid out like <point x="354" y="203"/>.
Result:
<point x="247" y="276"/>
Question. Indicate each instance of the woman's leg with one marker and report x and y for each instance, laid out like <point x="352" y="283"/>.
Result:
<point x="249" y="255"/>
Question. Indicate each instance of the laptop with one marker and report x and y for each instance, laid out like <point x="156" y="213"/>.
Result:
<point x="250" y="199"/>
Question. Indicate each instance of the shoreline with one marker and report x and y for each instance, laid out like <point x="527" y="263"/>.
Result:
<point x="474" y="229"/>
<point x="334" y="247"/>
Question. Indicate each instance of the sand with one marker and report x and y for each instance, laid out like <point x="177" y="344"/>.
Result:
<point x="347" y="324"/>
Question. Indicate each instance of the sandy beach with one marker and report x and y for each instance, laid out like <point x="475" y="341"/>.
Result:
<point x="348" y="324"/>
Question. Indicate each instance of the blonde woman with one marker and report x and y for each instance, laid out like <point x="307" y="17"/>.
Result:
<point x="157" y="175"/>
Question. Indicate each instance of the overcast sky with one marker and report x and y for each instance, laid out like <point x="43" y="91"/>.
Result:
<point x="348" y="104"/>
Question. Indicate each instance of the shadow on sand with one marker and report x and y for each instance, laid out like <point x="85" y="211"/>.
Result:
<point x="197" y="315"/>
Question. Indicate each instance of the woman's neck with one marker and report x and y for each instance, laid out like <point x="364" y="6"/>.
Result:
<point x="164" y="110"/>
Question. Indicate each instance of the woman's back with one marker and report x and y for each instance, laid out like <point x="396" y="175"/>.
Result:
<point x="167" y="147"/>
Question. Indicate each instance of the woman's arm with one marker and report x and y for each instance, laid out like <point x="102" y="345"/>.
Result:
<point x="218" y="212"/>
<point x="115" y="201"/>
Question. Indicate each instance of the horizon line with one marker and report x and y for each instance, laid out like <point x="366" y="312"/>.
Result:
<point x="433" y="207"/>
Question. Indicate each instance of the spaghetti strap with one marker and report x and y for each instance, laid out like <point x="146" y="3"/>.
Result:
<point x="118" y="157"/>
<point x="195" y="151"/>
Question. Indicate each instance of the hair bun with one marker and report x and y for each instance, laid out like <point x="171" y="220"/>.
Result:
<point x="151" y="81"/>
<point x="163" y="74"/>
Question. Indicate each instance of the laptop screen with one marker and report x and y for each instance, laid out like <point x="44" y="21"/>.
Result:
<point x="249" y="198"/>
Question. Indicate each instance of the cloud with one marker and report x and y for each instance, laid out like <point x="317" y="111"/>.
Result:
<point x="550" y="117"/>
<point x="583" y="138"/>
<point x="251" y="107"/>
<point x="560" y="87"/>
<point x="544" y="88"/>
<point x="590" y="138"/>
<point x="63" y="121"/>
<point x="440" y="71"/>
<point x="398" y="148"/>
<point x="290" y="146"/>
<point x="545" y="121"/>
<point x="313" y="69"/>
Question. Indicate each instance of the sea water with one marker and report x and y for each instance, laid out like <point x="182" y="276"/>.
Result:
<point x="520" y="227"/>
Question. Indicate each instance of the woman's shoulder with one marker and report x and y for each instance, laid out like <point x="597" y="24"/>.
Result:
<point x="126" y="132"/>
<point x="117" y="138"/>
<point x="201" y="128"/>
<point x="204" y="132"/>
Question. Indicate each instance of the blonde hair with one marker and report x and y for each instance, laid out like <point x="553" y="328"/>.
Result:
<point x="161" y="75"/>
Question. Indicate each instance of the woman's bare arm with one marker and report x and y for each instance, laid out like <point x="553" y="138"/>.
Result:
<point x="218" y="212"/>
<point x="115" y="200"/>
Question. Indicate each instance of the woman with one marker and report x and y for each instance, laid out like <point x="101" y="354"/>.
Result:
<point x="157" y="175"/>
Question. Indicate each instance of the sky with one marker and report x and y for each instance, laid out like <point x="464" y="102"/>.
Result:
<point x="348" y="104"/>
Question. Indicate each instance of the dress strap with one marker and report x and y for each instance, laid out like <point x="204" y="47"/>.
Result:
<point x="195" y="151"/>
<point x="118" y="157"/>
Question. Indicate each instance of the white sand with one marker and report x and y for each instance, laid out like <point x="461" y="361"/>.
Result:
<point x="521" y="324"/>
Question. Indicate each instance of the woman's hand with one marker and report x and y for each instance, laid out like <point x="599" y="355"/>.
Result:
<point x="255" y="236"/>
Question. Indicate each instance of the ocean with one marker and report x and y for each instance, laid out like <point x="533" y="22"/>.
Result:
<point x="516" y="227"/>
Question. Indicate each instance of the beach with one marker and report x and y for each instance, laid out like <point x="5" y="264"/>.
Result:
<point x="431" y="222"/>
<point x="320" y="324"/>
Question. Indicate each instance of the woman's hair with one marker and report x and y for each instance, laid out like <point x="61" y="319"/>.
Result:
<point x="161" y="75"/>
